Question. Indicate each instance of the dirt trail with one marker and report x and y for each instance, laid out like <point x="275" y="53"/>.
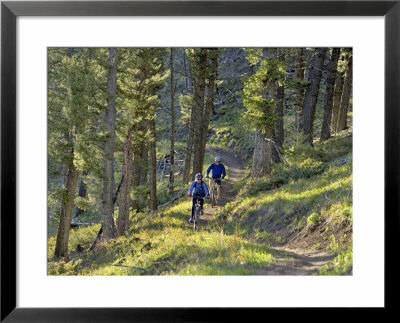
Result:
<point x="288" y="261"/>
<point x="235" y="170"/>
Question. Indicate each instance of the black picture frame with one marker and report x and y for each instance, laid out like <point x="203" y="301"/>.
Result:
<point x="10" y="10"/>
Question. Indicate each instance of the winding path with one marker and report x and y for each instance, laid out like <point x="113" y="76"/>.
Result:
<point x="288" y="261"/>
<point x="234" y="171"/>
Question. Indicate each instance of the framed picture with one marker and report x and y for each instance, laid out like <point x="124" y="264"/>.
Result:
<point x="227" y="15"/>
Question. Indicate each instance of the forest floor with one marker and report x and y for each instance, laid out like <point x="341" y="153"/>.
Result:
<point x="290" y="260"/>
<point x="256" y="228"/>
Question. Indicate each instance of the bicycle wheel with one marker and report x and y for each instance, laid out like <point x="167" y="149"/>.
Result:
<point x="213" y="197"/>
<point x="196" y="218"/>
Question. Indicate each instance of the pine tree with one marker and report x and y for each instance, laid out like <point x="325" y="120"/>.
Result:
<point x="108" y="180"/>
<point x="172" y="150"/>
<point x="213" y="55"/>
<point x="299" y="85"/>
<point x="328" y="105"/>
<point x="278" y="127"/>
<point x="311" y="95"/>
<point x="345" y="100"/>
<point x="74" y="76"/>
<point x="204" y="65"/>
<point x="337" y="96"/>
<point x="260" y="100"/>
<point x="199" y="73"/>
<point x="140" y="79"/>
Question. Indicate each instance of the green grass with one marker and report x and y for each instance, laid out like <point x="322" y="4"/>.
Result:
<point x="314" y="190"/>
<point x="175" y="249"/>
<point x="341" y="264"/>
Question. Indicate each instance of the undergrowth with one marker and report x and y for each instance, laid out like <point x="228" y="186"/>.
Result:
<point x="310" y="194"/>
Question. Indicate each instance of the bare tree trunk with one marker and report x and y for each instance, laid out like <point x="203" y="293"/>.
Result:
<point x="331" y="70"/>
<point x="137" y="160"/>
<point x="144" y="165"/>
<point x="299" y="95"/>
<point x="261" y="156"/>
<point x="344" y="104"/>
<point x="210" y="101"/>
<point x="189" y="145"/>
<point x="108" y="188"/>
<point x="199" y="94"/>
<point x="188" y="79"/>
<point x="308" y="63"/>
<point x="279" y="134"/>
<point x="263" y="146"/>
<point x="189" y="148"/>
<point x="172" y="153"/>
<point x="82" y="192"/>
<point x="337" y="96"/>
<point x="61" y="249"/>
<point x="123" y="214"/>
<point x="153" y="167"/>
<point x="310" y="98"/>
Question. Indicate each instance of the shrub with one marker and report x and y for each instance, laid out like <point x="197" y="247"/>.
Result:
<point x="313" y="218"/>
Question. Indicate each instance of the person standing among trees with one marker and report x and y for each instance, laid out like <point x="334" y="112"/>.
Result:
<point x="218" y="170"/>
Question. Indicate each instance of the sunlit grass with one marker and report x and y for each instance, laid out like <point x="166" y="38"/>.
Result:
<point x="174" y="249"/>
<point x="316" y="188"/>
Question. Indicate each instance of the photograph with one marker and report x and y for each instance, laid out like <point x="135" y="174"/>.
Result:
<point x="189" y="160"/>
<point x="199" y="161"/>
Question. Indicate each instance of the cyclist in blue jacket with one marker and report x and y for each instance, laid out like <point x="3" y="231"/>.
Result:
<point x="218" y="173"/>
<point x="198" y="190"/>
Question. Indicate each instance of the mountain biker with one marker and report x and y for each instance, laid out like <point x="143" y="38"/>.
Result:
<point x="198" y="190"/>
<point x="218" y="170"/>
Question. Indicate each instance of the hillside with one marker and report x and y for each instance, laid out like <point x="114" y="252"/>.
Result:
<point x="298" y="221"/>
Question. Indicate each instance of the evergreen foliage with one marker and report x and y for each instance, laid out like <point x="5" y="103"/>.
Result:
<point x="268" y="71"/>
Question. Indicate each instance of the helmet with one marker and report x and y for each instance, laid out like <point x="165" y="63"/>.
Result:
<point x="199" y="175"/>
<point x="217" y="159"/>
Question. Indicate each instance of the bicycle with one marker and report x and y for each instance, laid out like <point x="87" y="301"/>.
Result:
<point x="196" y="213"/>
<point x="213" y="193"/>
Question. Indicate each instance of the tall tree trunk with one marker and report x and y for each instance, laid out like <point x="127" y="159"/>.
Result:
<point x="144" y="169"/>
<point x="199" y="94"/>
<point x="82" y="192"/>
<point x="188" y="78"/>
<point x="261" y="156"/>
<point x="124" y="201"/>
<point x="210" y="102"/>
<point x="330" y="84"/>
<point x="144" y="165"/>
<point x="311" y="96"/>
<point x="172" y="151"/>
<point x="344" y="103"/>
<point x="279" y="134"/>
<point x="136" y="168"/>
<point x="308" y="63"/>
<point x="153" y="166"/>
<point x="299" y="95"/>
<point x="189" y="145"/>
<point x="108" y="188"/>
<point x="189" y="148"/>
<point x="61" y="249"/>
<point x="263" y="146"/>
<point x="337" y="96"/>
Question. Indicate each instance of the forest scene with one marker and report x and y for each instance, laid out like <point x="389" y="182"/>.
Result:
<point x="200" y="161"/>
